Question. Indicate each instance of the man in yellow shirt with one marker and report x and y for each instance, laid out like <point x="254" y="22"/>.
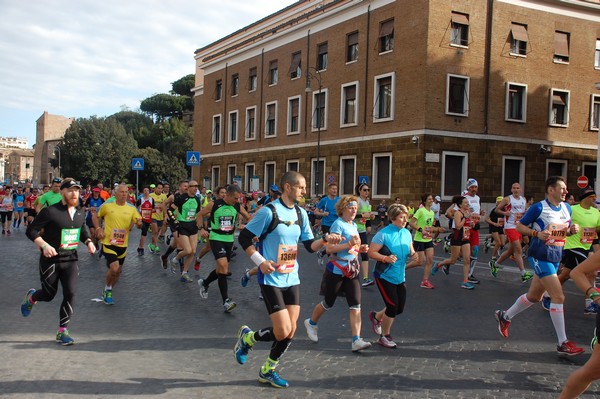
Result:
<point x="157" y="216"/>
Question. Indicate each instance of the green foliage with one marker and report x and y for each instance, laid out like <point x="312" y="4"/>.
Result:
<point x="184" y="86"/>
<point x="165" y="105"/>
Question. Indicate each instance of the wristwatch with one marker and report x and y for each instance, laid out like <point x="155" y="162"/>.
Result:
<point x="324" y="237"/>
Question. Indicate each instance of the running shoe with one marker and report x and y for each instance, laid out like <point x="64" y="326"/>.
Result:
<point x="168" y="239"/>
<point x="151" y="248"/>
<point x="140" y="251"/>
<point x="593" y="341"/>
<point x="493" y="268"/>
<point x="240" y="350"/>
<point x="64" y="338"/>
<point x="245" y="278"/>
<point x="174" y="264"/>
<point x="312" y="331"/>
<point x="26" y="305"/>
<point x="228" y="305"/>
<point x="271" y="377"/>
<point x="8" y="232"/>
<point x="107" y="297"/>
<point x="435" y="268"/>
<point x="164" y="261"/>
<point x="569" y="348"/>
<point x="467" y="285"/>
<point x="185" y="278"/>
<point x="592" y="308"/>
<point x="503" y="322"/>
<point x="446" y="269"/>
<point x="526" y="277"/>
<point x="546" y="303"/>
<point x="427" y="284"/>
<point x="360" y="344"/>
<point x="486" y="244"/>
<point x="203" y="289"/>
<point x="438" y="240"/>
<point x="446" y="247"/>
<point x="197" y="264"/>
<point x="386" y="341"/>
<point x="366" y="282"/>
<point x="375" y="324"/>
<point x="473" y="279"/>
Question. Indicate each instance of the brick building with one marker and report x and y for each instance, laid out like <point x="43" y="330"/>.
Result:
<point x="50" y="129"/>
<point x="414" y="96"/>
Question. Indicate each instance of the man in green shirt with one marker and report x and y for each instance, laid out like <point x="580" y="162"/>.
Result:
<point x="51" y="197"/>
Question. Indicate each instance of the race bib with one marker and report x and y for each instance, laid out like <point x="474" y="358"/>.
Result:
<point x="157" y="210"/>
<point x="427" y="232"/>
<point x="475" y="218"/>
<point x="518" y="216"/>
<point x="19" y="204"/>
<point x="146" y="214"/>
<point x="226" y="224"/>
<point x="588" y="235"/>
<point x="117" y="236"/>
<point x="466" y="233"/>
<point x="190" y="215"/>
<point x="558" y="235"/>
<point x="286" y="258"/>
<point x="69" y="239"/>
<point x="500" y="222"/>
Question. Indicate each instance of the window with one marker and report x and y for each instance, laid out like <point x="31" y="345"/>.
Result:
<point x="347" y="174"/>
<point x="383" y="107"/>
<point x="271" y="119"/>
<point x="252" y="79"/>
<point x="293" y="115"/>
<point x="513" y="171"/>
<point x="556" y="167"/>
<point x="319" y="110"/>
<point x="349" y="106"/>
<point x="518" y="39"/>
<point x="516" y="102"/>
<point x="589" y="171"/>
<point x="216" y="130"/>
<point x="457" y="95"/>
<point x="219" y="90"/>
<point x="559" y="108"/>
<point x="595" y="112"/>
<point x="233" y="126"/>
<point x="382" y="175"/>
<point x="231" y="173"/>
<point x="295" y="67"/>
<point x="459" y="30"/>
<point x="386" y="36"/>
<point x="235" y="85"/>
<point x="322" y="57"/>
<point x="597" y="55"/>
<point x="249" y="178"/>
<point x="352" y="47"/>
<point x="250" y="131"/>
<point x="273" y="73"/>
<point x="317" y="176"/>
<point x="269" y="175"/>
<point x="293" y="164"/>
<point x="454" y="173"/>
<point x="561" y="47"/>
<point x="216" y="176"/>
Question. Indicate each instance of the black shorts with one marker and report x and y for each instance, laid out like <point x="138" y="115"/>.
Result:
<point x="145" y="227"/>
<point x="31" y="212"/>
<point x="112" y="253"/>
<point x="4" y="216"/>
<point x="158" y="223"/>
<point x="573" y="257"/>
<point x="364" y="240"/>
<point x="277" y="298"/>
<point x="496" y="229"/>
<point x="187" y="229"/>
<point x="421" y="246"/>
<point x="394" y="296"/>
<point x="436" y="223"/>
<point x="336" y="284"/>
<point x="221" y="249"/>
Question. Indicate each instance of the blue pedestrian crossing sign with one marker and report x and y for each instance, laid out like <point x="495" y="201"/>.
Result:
<point x="192" y="158"/>
<point x="137" y="164"/>
<point x="363" y="179"/>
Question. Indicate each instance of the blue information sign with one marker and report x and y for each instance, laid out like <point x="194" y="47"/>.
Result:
<point x="137" y="164"/>
<point x="192" y="158"/>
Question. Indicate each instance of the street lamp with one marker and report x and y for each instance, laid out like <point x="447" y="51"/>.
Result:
<point x="597" y="185"/>
<point x="317" y="77"/>
<point x="59" y="169"/>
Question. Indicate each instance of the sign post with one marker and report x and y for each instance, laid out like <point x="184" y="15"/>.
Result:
<point x="582" y="181"/>
<point x="192" y="158"/>
<point x="137" y="164"/>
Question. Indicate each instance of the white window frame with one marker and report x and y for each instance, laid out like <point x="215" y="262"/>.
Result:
<point x="212" y="131"/>
<point x="467" y="80"/>
<point x="465" y="166"/>
<point x="343" y="104"/>
<point x="565" y="166"/>
<point x="391" y="40"/>
<point x="246" y="131"/>
<point x="230" y="176"/>
<point x="507" y="103"/>
<point x="266" y="183"/>
<point x="235" y="84"/>
<point x="247" y="184"/>
<point x="376" y="79"/>
<point x="229" y="127"/>
<point x="314" y="109"/>
<point x="321" y="175"/>
<point x="567" y="106"/>
<point x="273" y="79"/>
<point x="216" y="169"/>
<point x="252" y="80"/>
<point x="268" y="136"/>
<point x="342" y="175"/>
<point x="291" y="161"/>
<point x="521" y="173"/>
<point x="458" y="27"/>
<point x="374" y="174"/>
<point x="347" y="50"/>
<point x="289" y="115"/>
<point x="326" y="58"/>
<point x="597" y="55"/>
<point x="594" y="98"/>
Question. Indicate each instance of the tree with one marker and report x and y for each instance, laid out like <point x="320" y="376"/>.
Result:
<point x="164" y="106"/>
<point x="184" y="86"/>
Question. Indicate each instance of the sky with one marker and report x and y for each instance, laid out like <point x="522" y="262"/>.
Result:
<point x="79" y="58"/>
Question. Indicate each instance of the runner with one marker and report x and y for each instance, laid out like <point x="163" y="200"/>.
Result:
<point x="435" y="207"/>
<point x="476" y="214"/>
<point x="6" y="210"/>
<point x="157" y="217"/>
<point x="119" y="217"/>
<point x="50" y="197"/>
<point x="551" y="222"/>
<point x="19" y="207"/>
<point x="326" y="209"/>
<point x="64" y="226"/>
<point x="278" y="279"/>
<point x="391" y="247"/>
<point x="145" y="205"/>
<point x="29" y="204"/>
<point x="92" y="204"/>
<point x="169" y="209"/>
<point x="495" y="221"/>
<point x="363" y="224"/>
<point x="341" y="273"/>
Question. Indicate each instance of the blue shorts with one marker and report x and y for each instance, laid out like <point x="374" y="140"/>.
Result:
<point x="543" y="268"/>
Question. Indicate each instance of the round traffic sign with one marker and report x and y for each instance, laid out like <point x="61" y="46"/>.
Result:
<point x="582" y="182"/>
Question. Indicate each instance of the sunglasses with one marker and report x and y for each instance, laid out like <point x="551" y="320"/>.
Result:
<point x="193" y="185"/>
<point x="57" y="180"/>
<point x="365" y="189"/>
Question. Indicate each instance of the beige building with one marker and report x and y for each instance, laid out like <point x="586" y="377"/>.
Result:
<point x="50" y="130"/>
<point x="8" y="144"/>
<point x="19" y="166"/>
<point x="411" y="96"/>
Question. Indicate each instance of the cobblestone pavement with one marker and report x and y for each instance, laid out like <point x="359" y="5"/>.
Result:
<point x="162" y="340"/>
